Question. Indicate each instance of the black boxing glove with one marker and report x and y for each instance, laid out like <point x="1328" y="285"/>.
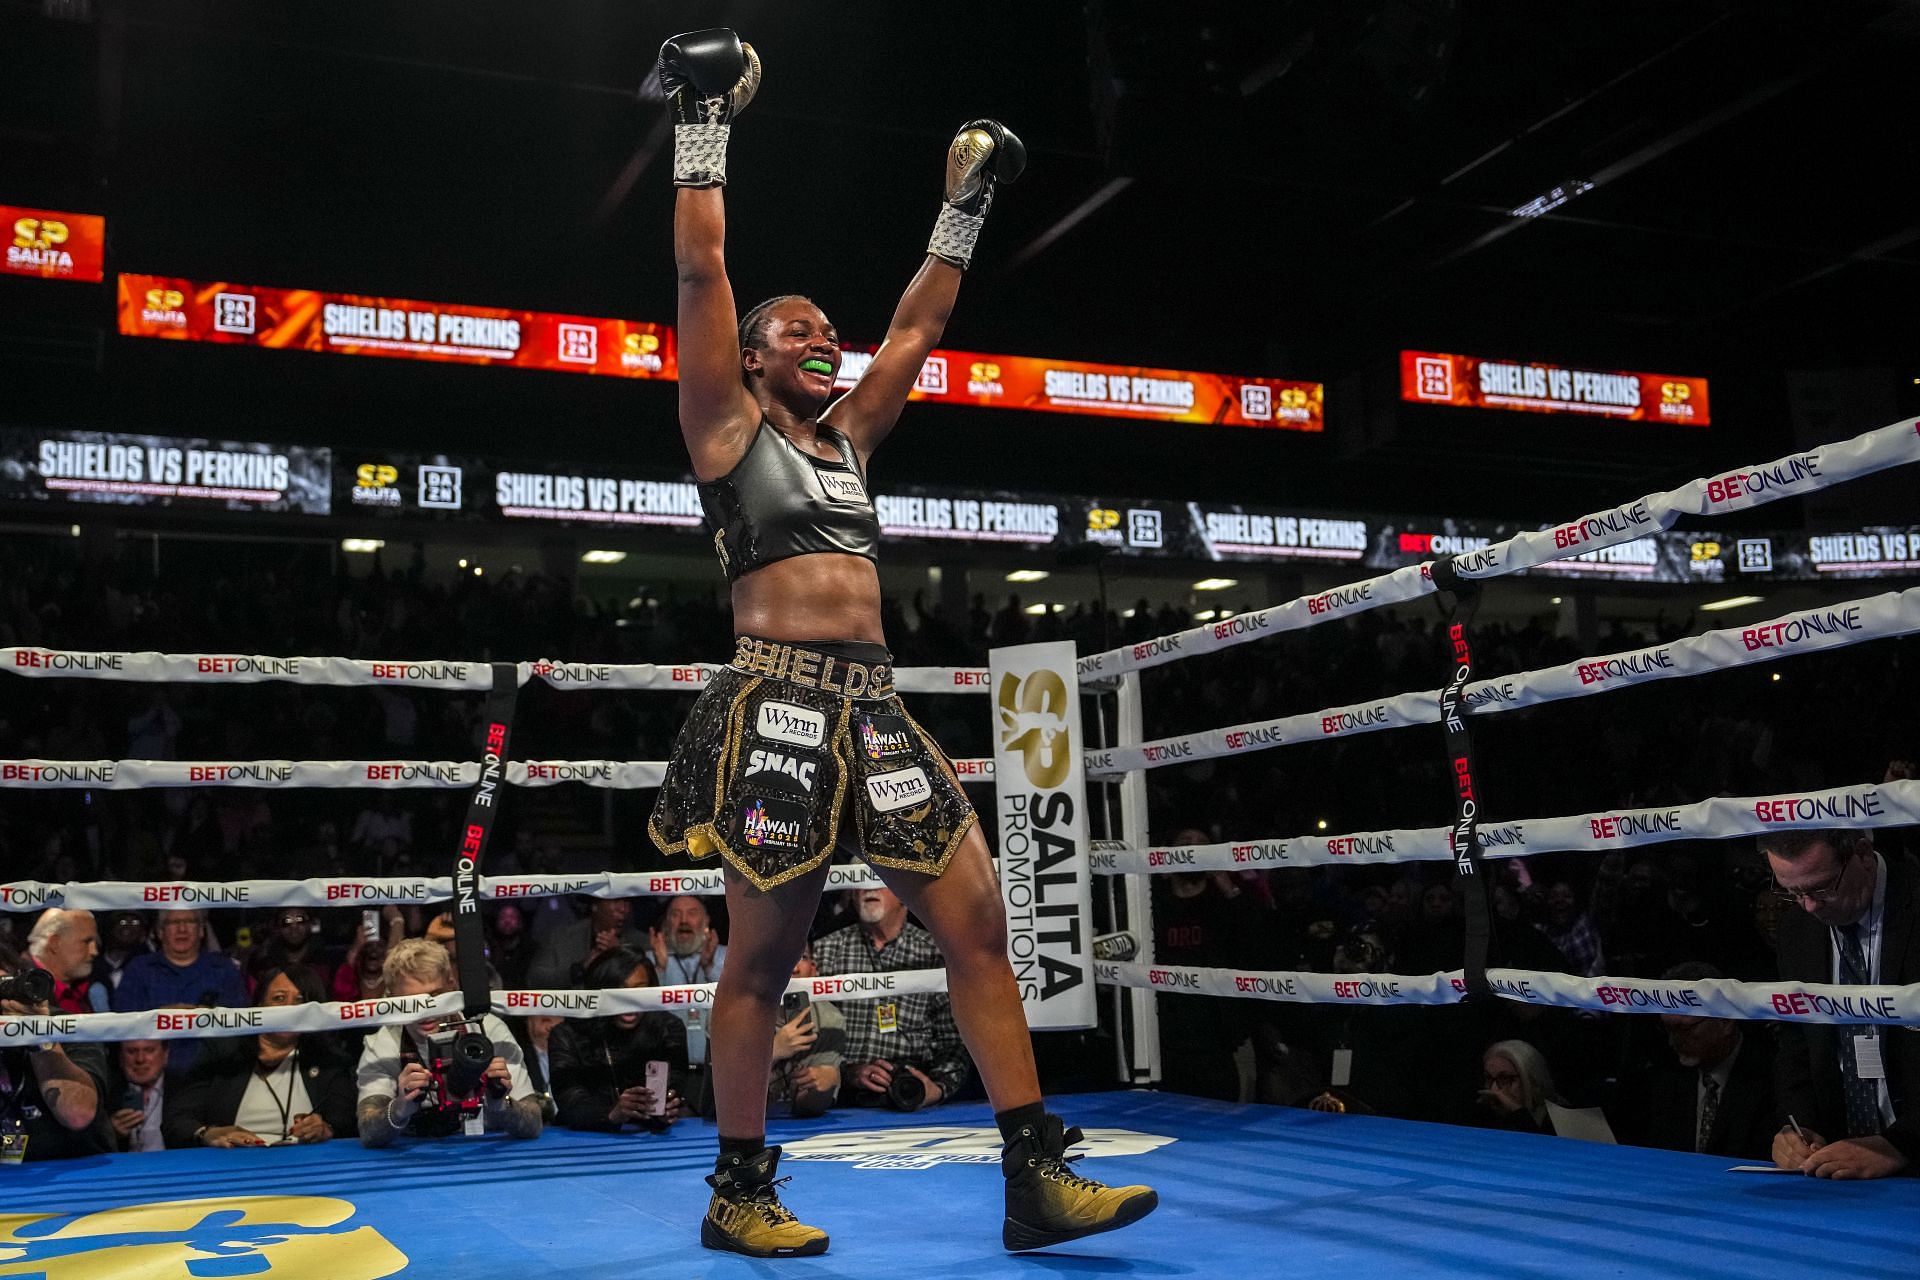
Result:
<point x="982" y="155"/>
<point x="708" y="78"/>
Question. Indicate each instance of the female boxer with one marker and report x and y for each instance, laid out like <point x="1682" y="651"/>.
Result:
<point x="800" y="744"/>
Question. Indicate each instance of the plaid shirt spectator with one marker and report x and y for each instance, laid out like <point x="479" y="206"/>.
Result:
<point x="924" y="1031"/>
<point x="1579" y="942"/>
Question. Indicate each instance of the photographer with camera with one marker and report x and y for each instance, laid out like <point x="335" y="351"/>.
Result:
<point x="809" y="1041"/>
<point x="621" y="1073"/>
<point x="269" y="1090"/>
<point x="440" y="1075"/>
<point x="49" y="1093"/>
<point x="902" y="1052"/>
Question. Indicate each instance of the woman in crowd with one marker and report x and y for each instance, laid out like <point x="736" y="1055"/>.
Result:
<point x="1515" y="1088"/>
<point x="600" y="1065"/>
<point x="267" y="1090"/>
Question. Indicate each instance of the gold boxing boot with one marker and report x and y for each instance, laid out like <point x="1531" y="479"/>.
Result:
<point x="1048" y="1203"/>
<point x="746" y="1216"/>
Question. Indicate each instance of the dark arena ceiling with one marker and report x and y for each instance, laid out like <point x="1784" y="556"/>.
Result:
<point x="1297" y="189"/>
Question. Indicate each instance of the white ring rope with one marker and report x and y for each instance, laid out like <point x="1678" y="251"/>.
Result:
<point x="1892" y="614"/>
<point x="1704" y="997"/>
<point x="1735" y="490"/>
<point x="476" y="677"/>
<point x="370" y="891"/>
<point x="377" y="775"/>
<point x="382" y="1011"/>
<point x="1882" y="804"/>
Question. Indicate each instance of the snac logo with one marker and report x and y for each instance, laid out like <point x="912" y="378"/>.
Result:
<point x="641" y="344"/>
<point x="165" y="299"/>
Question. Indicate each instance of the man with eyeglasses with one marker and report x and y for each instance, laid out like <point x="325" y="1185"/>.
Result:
<point x="1855" y="921"/>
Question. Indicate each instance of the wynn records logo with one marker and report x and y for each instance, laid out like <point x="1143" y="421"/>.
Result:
<point x="842" y="486"/>
<point x="899" y="789"/>
<point x="791" y="723"/>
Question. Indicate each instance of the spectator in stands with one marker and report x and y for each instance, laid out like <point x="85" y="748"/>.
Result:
<point x="1204" y="919"/>
<point x="142" y="1095"/>
<point x="361" y="975"/>
<point x="600" y="1064"/>
<point x="273" y="1089"/>
<point x="1515" y="1088"/>
<point x="687" y="950"/>
<point x="572" y="947"/>
<point x="536" y="1041"/>
<point x="293" y="940"/>
<point x="509" y="946"/>
<point x="910" y="1035"/>
<point x="126" y="936"/>
<point x="180" y="975"/>
<point x="50" y="1094"/>
<point x="1572" y="930"/>
<point x="1857" y="924"/>
<point x="808" y="1049"/>
<point x="397" y="1092"/>
<point x="66" y="944"/>
<point x="1714" y="1095"/>
<point x="383" y="830"/>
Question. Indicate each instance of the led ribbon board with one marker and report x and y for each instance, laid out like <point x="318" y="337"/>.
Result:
<point x="51" y="245"/>
<point x="1470" y="382"/>
<point x="397" y="328"/>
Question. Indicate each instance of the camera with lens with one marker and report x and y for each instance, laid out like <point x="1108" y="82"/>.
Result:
<point x="457" y="1057"/>
<point x="905" y="1090"/>
<point x="34" y="986"/>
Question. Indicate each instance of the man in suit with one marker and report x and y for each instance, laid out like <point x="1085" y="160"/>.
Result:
<point x="1715" y="1094"/>
<point x="1852" y="1090"/>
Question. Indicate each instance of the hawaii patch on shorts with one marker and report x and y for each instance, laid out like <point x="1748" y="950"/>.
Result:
<point x="765" y="769"/>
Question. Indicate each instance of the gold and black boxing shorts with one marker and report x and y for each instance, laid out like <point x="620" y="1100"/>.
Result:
<point x="786" y="741"/>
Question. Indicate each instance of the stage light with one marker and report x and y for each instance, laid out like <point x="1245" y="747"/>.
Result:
<point x="1028" y="575"/>
<point x="362" y="545"/>
<point x="602" y="557"/>
<point x="1215" y="584"/>
<point x="1731" y="602"/>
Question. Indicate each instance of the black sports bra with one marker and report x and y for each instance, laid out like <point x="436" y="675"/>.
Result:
<point x="781" y="501"/>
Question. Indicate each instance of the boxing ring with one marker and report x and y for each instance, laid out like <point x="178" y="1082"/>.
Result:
<point x="1244" y="1190"/>
<point x="1236" y="1183"/>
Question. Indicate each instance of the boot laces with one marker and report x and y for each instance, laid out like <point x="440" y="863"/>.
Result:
<point x="765" y="1198"/>
<point x="1056" y="1169"/>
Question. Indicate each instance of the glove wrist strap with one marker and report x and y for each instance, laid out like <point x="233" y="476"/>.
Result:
<point x="700" y="155"/>
<point x="954" y="234"/>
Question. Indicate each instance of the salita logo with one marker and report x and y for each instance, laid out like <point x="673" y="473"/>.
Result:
<point x="923" y="1147"/>
<point x="1033" y="722"/>
<point x="241" y="1236"/>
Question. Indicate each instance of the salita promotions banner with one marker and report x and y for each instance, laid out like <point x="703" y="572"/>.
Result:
<point x="1469" y="382"/>
<point x="52" y="245"/>
<point x="1041" y="791"/>
<point x="349" y="324"/>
